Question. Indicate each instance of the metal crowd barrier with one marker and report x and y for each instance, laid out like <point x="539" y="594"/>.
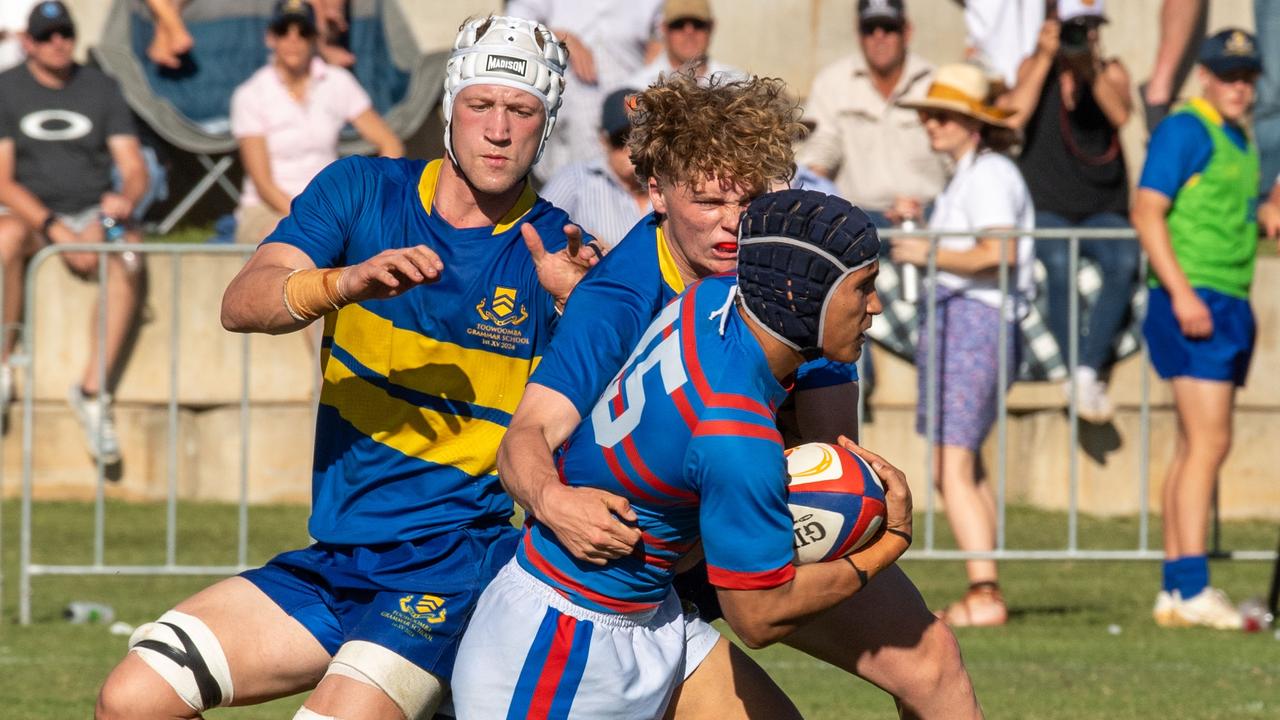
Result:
<point x="927" y="550"/>
<point x="28" y="569"/>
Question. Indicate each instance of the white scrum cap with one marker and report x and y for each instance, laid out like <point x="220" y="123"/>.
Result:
<point x="509" y="51"/>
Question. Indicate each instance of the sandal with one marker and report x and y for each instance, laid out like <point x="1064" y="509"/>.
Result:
<point x="981" y="606"/>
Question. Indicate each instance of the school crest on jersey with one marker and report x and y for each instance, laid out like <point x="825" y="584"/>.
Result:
<point x="502" y="308"/>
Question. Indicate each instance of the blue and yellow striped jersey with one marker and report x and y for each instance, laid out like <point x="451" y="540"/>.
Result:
<point x="418" y="389"/>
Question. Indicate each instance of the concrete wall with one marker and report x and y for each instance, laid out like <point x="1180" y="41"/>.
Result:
<point x="206" y="462"/>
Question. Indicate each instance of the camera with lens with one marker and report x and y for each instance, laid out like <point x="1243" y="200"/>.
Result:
<point x="1074" y="37"/>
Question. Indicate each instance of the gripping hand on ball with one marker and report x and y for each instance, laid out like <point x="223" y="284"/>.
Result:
<point x="897" y="495"/>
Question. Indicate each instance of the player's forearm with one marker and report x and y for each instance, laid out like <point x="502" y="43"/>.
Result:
<point x="22" y="203"/>
<point x="254" y="302"/>
<point x="525" y="466"/>
<point x="1153" y="233"/>
<point x="763" y="617"/>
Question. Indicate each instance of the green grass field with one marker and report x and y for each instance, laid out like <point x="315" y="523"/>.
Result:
<point x="1055" y="659"/>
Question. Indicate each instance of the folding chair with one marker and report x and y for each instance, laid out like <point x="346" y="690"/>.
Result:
<point x="190" y="107"/>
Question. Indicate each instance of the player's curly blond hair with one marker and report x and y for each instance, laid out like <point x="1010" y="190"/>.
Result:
<point x="684" y="130"/>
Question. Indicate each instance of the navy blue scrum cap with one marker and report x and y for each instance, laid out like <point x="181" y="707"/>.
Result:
<point x="794" y="248"/>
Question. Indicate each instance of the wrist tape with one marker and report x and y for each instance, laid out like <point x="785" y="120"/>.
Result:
<point x="311" y="293"/>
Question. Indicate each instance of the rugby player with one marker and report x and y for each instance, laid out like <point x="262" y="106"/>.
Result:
<point x="686" y="432"/>
<point x="705" y="151"/>
<point x="438" y="297"/>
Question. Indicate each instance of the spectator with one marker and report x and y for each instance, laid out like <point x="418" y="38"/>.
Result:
<point x="1002" y="33"/>
<point x="608" y="41"/>
<point x="172" y="40"/>
<point x="604" y="195"/>
<point x="287" y="117"/>
<point x="859" y="123"/>
<point x="13" y="22"/>
<point x="62" y="126"/>
<point x="986" y="193"/>
<point x="1266" y="111"/>
<point x="1070" y="102"/>
<point x="686" y="32"/>
<point x="1201" y="237"/>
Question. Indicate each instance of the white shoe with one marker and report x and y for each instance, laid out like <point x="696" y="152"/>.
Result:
<point x="98" y="423"/>
<point x="1092" y="403"/>
<point x="1163" y="610"/>
<point x="1211" y="608"/>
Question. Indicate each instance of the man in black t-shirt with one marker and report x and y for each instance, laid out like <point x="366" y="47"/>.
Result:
<point x="62" y="127"/>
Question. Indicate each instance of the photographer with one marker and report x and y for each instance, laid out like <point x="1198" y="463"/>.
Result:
<point x="1070" y="103"/>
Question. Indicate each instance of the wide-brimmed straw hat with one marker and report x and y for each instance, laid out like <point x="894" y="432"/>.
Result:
<point x="961" y="88"/>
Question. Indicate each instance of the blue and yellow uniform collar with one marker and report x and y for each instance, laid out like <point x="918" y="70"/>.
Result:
<point x="1206" y="110"/>
<point x="427" y="193"/>
<point x="667" y="262"/>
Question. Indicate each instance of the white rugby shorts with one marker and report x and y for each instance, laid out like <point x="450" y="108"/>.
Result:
<point x="529" y="652"/>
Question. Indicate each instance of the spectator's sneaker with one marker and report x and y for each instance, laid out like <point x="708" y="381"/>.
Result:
<point x="98" y="423"/>
<point x="1163" y="610"/>
<point x="1092" y="403"/>
<point x="1211" y="608"/>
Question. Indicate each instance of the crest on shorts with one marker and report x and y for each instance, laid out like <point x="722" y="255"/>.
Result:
<point x="428" y="607"/>
<point x="502" y="307"/>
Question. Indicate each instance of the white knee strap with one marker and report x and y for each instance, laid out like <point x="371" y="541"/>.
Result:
<point x="186" y="653"/>
<point x="415" y="691"/>
<point x="305" y="713"/>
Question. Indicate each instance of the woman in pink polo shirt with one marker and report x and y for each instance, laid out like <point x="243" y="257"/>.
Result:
<point x="287" y="118"/>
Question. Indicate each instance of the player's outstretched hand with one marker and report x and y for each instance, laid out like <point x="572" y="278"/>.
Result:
<point x="560" y="272"/>
<point x="390" y="273"/>
<point x="897" y="494"/>
<point x="589" y="522"/>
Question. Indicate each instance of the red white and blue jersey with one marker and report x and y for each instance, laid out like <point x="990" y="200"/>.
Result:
<point x="685" y="431"/>
<point x="611" y="307"/>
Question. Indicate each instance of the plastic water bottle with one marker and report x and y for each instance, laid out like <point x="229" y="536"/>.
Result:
<point x="910" y="274"/>
<point x="84" y="612"/>
<point x="1255" y="615"/>
<point x="112" y="229"/>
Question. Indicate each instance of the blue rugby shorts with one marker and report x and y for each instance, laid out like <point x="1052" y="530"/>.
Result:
<point x="1223" y="356"/>
<point x="413" y="598"/>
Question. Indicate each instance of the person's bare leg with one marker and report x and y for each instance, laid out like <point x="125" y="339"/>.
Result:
<point x="343" y="697"/>
<point x="1178" y="21"/>
<point x="269" y="654"/>
<point x="15" y="248"/>
<point x="969" y="509"/>
<point x="728" y="685"/>
<point x="123" y="295"/>
<point x="1205" y="407"/>
<point x="886" y="635"/>
<point x="1169" y="496"/>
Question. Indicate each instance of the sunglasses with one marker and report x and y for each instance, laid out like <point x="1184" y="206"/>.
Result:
<point x="48" y="35"/>
<point x="682" y="23"/>
<point x="889" y="27"/>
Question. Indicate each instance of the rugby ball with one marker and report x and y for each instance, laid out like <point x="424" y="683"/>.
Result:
<point x="837" y="502"/>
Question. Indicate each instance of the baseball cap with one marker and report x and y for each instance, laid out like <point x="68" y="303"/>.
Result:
<point x="49" y="16"/>
<point x="892" y="10"/>
<point x="286" y="11"/>
<point x="1230" y="50"/>
<point x="615" y="115"/>
<point x="1069" y="10"/>
<point x="680" y="9"/>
